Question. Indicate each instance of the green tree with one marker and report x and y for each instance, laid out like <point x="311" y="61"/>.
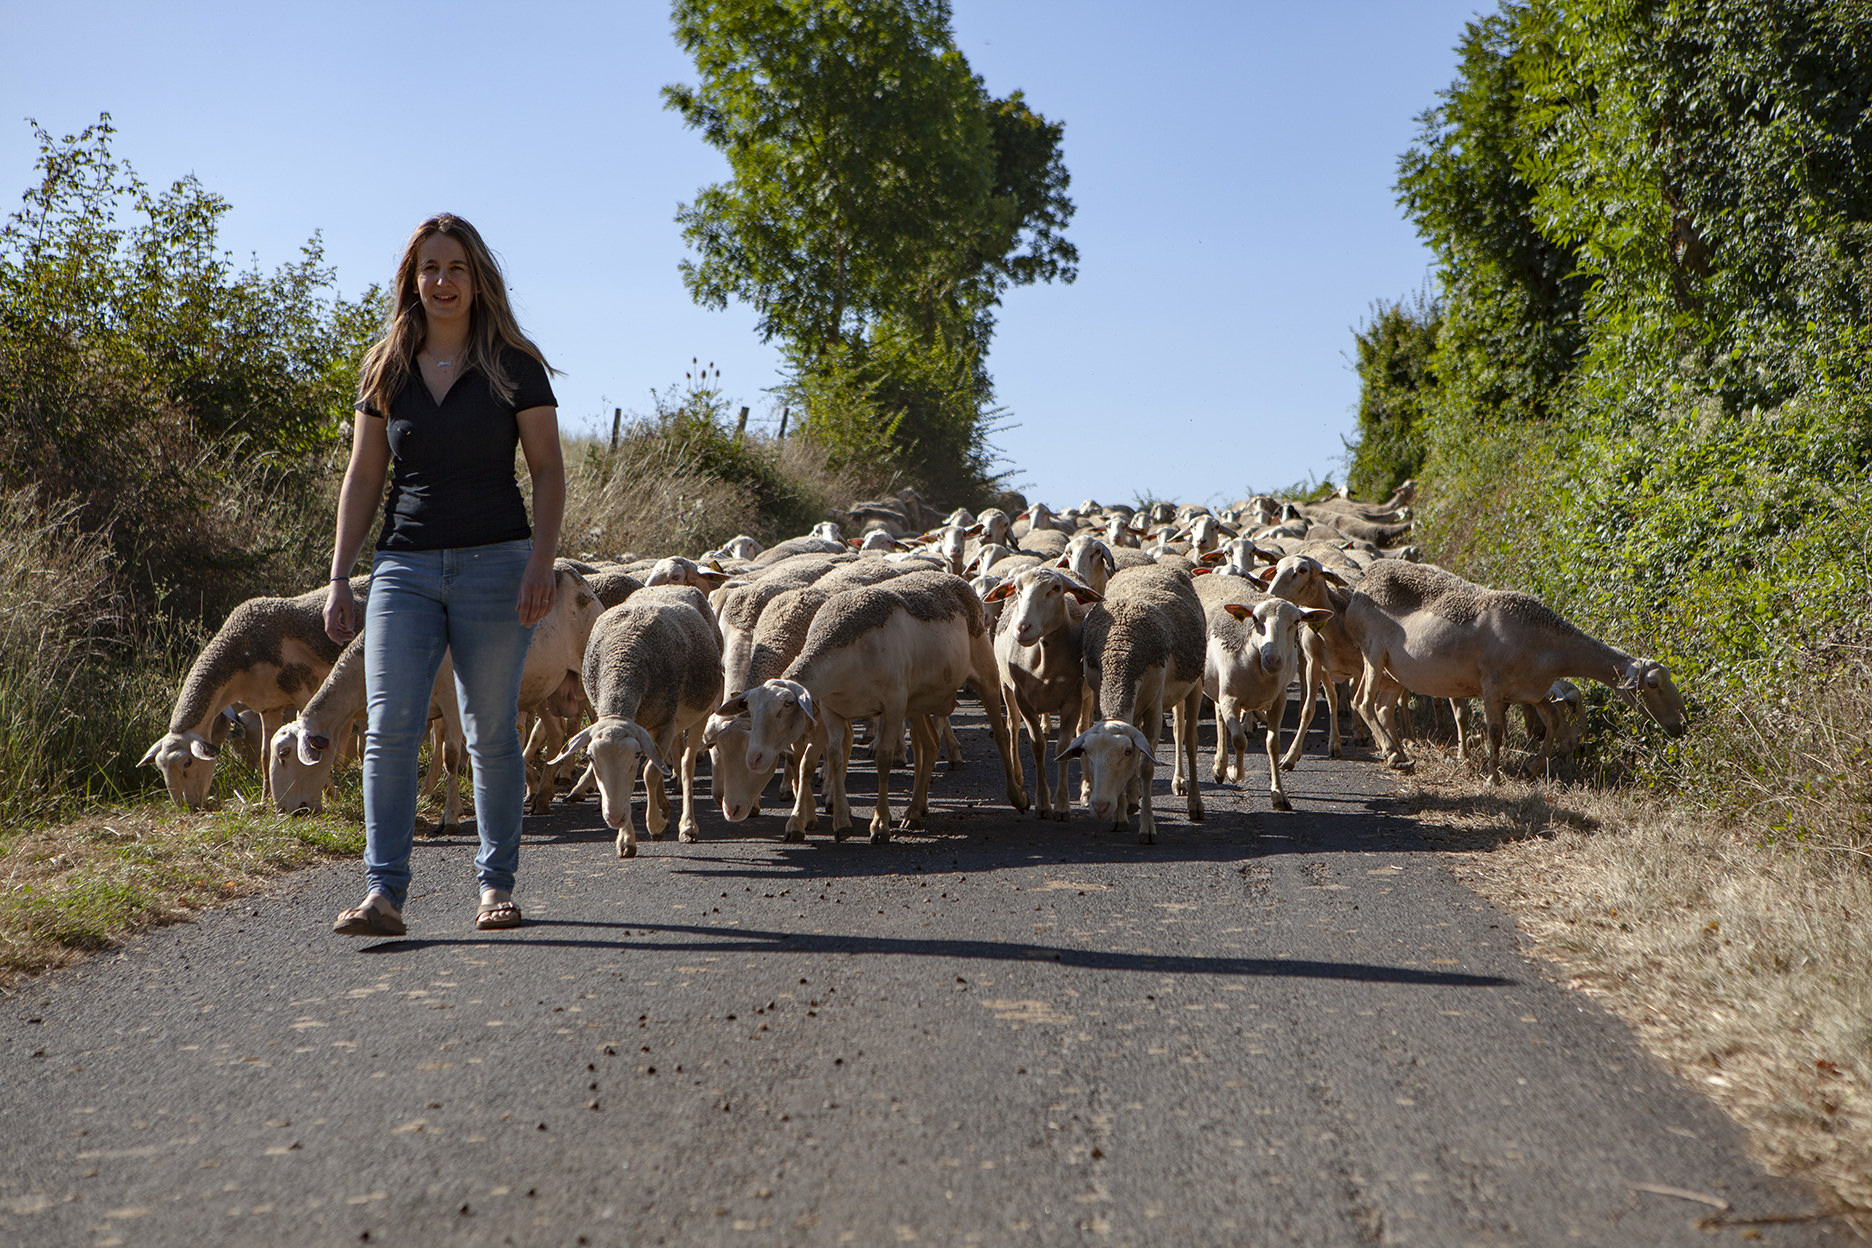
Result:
<point x="872" y="173"/>
<point x="1511" y="297"/>
<point x="1397" y="387"/>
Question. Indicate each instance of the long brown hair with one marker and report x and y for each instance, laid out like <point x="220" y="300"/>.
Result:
<point x="491" y="324"/>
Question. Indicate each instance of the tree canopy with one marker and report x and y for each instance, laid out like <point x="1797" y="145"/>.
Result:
<point x="873" y="175"/>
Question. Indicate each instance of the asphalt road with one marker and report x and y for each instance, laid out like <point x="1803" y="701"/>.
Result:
<point x="1265" y="1029"/>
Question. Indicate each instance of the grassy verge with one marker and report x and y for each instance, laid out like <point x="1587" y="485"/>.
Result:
<point x="1741" y="962"/>
<point x="69" y="889"/>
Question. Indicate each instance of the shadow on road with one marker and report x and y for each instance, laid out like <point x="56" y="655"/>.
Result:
<point x="701" y="940"/>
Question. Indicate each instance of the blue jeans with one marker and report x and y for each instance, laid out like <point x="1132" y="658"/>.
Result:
<point x="421" y="603"/>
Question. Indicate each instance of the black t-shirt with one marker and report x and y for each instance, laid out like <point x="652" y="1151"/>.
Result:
<point x="453" y="480"/>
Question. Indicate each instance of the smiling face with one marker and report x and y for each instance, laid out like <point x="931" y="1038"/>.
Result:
<point x="444" y="280"/>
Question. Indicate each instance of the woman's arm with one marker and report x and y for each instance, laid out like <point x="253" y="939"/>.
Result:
<point x="357" y="503"/>
<point x="539" y="441"/>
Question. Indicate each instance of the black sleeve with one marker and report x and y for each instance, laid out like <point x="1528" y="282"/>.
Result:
<point x="532" y="384"/>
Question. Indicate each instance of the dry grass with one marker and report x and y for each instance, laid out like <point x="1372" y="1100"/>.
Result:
<point x="1741" y="962"/>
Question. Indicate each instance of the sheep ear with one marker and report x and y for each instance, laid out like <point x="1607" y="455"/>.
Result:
<point x="310" y="748"/>
<point x="1264" y="575"/>
<point x="1085" y="593"/>
<point x="806" y="704"/>
<point x="734" y="706"/>
<point x="1318" y="617"/>
<point x="1075" y="750"/>
<point x="1229" y="530"/>
<point x="1240" y="611"/>
<point x="149" y="759"/>
<point x="1214" y="556"/>
<point x="1201" y="571"/>
<point x="652" y="755"/>
<point x="974" y="530"/>
<point x="1139" y="739"/>
<point x="1334" y="577"/>
<point x="573" y="746"/>
<point x="1003" y="590"/>
<point x="1111" y="560"/>
<point x="1063" y="561"/>
<point x="853" y="542"/>
<point x="202" y="749"/>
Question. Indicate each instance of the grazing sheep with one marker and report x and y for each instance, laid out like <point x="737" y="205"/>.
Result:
<point x="269" y="655"/>
<point x="885" y="652"/>
<point x="653" y="673"/>
<point x="1037" y="651"/>
<point x="1428" y="631"/>
<point x="1143" y="653"/>
<point x="303" y="753"/>
<point x="549" y="683"/>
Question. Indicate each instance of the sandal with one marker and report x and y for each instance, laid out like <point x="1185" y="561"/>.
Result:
<point x="493" y="915"/>
<point x="368" y="920"/>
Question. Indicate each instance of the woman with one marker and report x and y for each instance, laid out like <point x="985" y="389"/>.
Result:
<point x="446" y="393"/>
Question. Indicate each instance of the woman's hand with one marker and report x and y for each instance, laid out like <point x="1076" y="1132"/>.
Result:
<point x="340" y="613"/>
<point x="538" y="587"/>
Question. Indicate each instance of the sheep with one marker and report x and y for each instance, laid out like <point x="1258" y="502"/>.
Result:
<point x="549" y="683"/>
<point x="775" y="640"/>
<point x="1335" y="654"/>
<point x="1047" y="543"/>
<point x="653" y="673"/>
<point x="993" y="525"/>
<point x="1427" y="630"/>
<point x="1037" y="652"/>
<point x="884" y="652"/>
<point x="302" y="754"/>
<point x="740" y="546"/>
<point x="738" y="608"/>
<point x="1253" y="654"/>
<point x="612" y="587"/>
<point x="799" y="546"/>
<point x="676" y="570"/>
<point x="269" y="655"/>
<point x="876" y="539"/>
<point x="1090" y="560"/>
<point x="951" y="544"/>
<point x="1143" y="652"/>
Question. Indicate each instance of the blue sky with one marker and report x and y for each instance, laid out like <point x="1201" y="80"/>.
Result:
<point x="1231" y="162"/>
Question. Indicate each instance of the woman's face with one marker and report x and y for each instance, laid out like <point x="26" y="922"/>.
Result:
<point x="444" y="281"/>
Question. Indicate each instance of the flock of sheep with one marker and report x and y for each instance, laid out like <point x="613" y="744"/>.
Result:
<point x="1096" y="619"/>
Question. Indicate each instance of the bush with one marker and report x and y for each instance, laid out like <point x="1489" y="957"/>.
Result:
<point x="917" y="412"/>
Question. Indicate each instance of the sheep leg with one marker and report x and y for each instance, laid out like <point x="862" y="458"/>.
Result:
<point x="1459" y="711"/>
<point x="1224" y="715"/>
<point x="688" y="830"/>
<point x="1062" y="796"/>
<point x="805" y="816"/>
<point x="952" y="748"/>
<point x="270" y="722"/>
<point x="1036" y="722"/>
<point x="1311" y="651"/>
<point x="985" y="685"/>
<point x="656" y="802"/>
<point x="586" y="783"/>
<point x="1273" y="715"/>
<point x="1183" y="719"/>
<point x="890" y="728"/>
<point x="924" y="744"/>
<point x="1495" y="713"/>
<point x="837" y="751"/>
<point x="1541" y="715"/>
<point x="1376" y="707"/>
